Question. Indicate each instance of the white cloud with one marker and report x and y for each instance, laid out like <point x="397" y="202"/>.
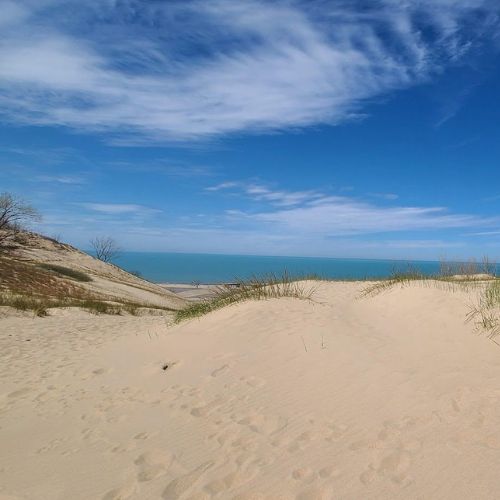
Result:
<point x="386" y="196"/>
<point x="222" y="186"/>
<point x="118" y="208"/>
<point x="281" y="198"/>
<point x="338" y="216"/>
<point x="314" y="212"/>
<point x="252" y="65"/>
<point x="330" y="226"/>
<point x="259" y="192"/>
<point x="61" y="179"/>
<point x="486" y="233"/>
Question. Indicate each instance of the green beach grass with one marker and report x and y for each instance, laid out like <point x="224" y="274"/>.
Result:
<point x="257" y="288"/>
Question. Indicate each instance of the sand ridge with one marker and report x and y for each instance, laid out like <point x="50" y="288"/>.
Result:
<point x="392" y="396"/>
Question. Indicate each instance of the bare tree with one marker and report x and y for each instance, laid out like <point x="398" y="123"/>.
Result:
<point x="105" y="248"/>
<point x="15" y="214"/>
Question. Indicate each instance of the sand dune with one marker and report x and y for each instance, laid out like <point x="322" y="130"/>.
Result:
<point x="106" y="281"/>
<point x="386" y="397"/>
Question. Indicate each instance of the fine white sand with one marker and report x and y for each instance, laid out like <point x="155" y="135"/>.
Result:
<point x="386" y="397"/>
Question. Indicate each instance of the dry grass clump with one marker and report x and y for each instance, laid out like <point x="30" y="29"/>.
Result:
<point x="401" y="278"/>
<point x="40" y="306"/>
<point x="99" y="307"/>
<point x="451" y="276"/>
<point x="486" y="312"/>
<point x="25" y="303"/>
<point x="468" y="270"/>
<point x="257" y="288"/>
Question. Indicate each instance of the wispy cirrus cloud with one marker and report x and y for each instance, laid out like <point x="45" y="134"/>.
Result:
<point x="486" y="233"/>
<point x="336" y="215"/>
<point x="222" y="186"/>
<point x="386" y="196"/>
<point x="119" y="208"/>
<point x="60" y="179"/>
<point x="260" y="192"/>
<point x="195" y="69"/>
<point x="317" y="212"/>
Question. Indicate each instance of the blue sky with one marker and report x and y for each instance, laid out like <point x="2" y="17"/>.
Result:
<point x="321" y="127"/>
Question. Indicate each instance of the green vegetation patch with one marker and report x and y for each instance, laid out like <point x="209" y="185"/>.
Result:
<point x="67" y="272"/>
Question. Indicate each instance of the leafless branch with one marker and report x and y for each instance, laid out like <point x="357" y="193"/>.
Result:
<point x="105" y="248"/>
<point x="15" y="214"/>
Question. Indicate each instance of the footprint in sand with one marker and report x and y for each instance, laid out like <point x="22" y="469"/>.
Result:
<point x="492" y="441"/>
<point x="264" y="424"/>
<point x="335" y="432"/>
<point x="253" y="381"/>
<point x="251" y="496"/>
<point x="304" y="474"/>
<point x="204" y="411"/>
<point x="20" y="393"/>
<point x="153" y="464"/>
<point x="328" y="471"/>
<point x="222" y="485"/>
<point x="314" y="494"/>
<point x="121" y="493"/>
<point x="123" y="448"/>
<point x="368" y="476"/>
<point x="393" y="466"/>
<point x="200" y="495"/>
<point x="180" y="485"/>
<point x="395" y="463"/>
<point x="395" y="447"/>
<point x="220" y="371"/>
<point x="246" y="443"/>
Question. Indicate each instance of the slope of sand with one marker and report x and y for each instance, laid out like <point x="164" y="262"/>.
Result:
<point x="344" y="398"/>
<point x="108" y="282"/>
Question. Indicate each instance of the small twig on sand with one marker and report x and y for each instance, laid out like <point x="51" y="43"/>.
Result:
<point x="323" y="346"/>
<point x="305" y="348"/>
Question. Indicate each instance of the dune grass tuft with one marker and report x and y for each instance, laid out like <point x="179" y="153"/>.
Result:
<point x="451" y="276"/>
<point x="257" y="288"/>
<point x="100" y="307"/>
<point x="480" y="277"/>
<point x="485" y="313"/>
<point x="26" y="303"/>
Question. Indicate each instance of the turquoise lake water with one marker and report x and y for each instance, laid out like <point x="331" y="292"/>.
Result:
<point x="210" y="268"/>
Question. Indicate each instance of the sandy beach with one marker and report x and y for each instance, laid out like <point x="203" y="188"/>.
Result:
<point x="249" y="250"/>
<point x="392" y="396"/>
